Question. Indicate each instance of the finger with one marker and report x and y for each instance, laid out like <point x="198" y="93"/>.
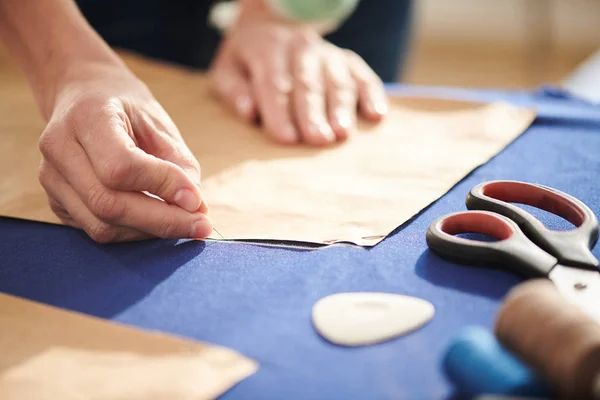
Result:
<point x="63" y="197"/>
<point x="271" y="84"/>
<point x="233" y="87"/>
<point x="127" y="209"/>
<point x="309" y="93"/>
<point x="160" y="137"/>
<point x="59" y="210"/>
<point x="121" y="165"/>
<point x="341" y="93"/>
<point x="372" y="99"/>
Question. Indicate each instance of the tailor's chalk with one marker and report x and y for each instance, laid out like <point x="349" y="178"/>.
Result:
<point x="478" y="365"/>
<point x="553" y="336"/>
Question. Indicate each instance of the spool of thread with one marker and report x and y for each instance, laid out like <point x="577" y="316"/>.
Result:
<point x="553" y="336"/>
<point x="477" y="364"/>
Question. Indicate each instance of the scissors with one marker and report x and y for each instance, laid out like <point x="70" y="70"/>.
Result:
<point x="523" y="243"/>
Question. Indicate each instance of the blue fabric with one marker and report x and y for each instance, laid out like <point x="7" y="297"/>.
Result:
<point x="258" y="299"/>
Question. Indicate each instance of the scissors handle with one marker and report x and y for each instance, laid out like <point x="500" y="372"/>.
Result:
<point x="569" y="247"/>
<point x="513" y="249"/>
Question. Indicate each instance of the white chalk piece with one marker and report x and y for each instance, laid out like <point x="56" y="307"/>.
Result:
<point x="365" y="318"/>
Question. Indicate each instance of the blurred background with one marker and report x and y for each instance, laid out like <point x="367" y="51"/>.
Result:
<point x="503" y="44"/>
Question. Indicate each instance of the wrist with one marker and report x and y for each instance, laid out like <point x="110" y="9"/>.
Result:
<point x="254" y="6"/>
<point x="65" y="67"/>
<point x="50" y="40"/>
<point x="260" y="10"/>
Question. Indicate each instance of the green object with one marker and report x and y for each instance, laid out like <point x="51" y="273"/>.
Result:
<point x="314" y="10"/>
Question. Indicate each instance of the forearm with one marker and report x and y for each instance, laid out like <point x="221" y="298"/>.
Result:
<point x="48" y="39"/>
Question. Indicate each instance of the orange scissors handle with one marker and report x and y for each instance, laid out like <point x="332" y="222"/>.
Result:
<point x="513" y="249"/>
<point x="523" y="242"/>
<point x="569" y="247"/>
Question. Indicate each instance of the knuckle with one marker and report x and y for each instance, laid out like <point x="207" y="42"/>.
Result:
<point x="270" y="73"/>
<point x="306" y="37"/>
<point x="273" y="36"/>
<point x="175" y="150"/>
<point x="365" y="76"/>
<point x="102" y="233"/>
<point x="56" y="208"/>
<point x="277" y="33"/>
<point x="117" y="173"/>
<point x="48" y="141"/>
<point x="95" y="107"/>
<point x="306" y="82"/>
<point x="92" y="103"/>
<point x="82" y="106"/>
<point x="167" y="227"/>
<point x="44" y="175"/>
<point x="344" y="96"/>
<point x="341" y="83"/>
<point x="188" y="161"/>
<point x="352" y="56"/>
<point x="106" y="206"/>
<point x="163" y="179"/>
<point x="361" y="69"/>
<point x="253" y="55"/>
<point x="71" y="118"/>
<point x="163" y="186"/>
<point x="61" y="212"/>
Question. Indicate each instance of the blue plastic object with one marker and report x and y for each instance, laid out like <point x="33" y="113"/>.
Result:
<point x="477" y="364"/>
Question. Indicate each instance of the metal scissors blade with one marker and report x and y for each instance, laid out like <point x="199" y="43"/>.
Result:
<point x="580" y="287"/>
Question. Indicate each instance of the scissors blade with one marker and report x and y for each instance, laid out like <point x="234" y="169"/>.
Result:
<point x="580" y="287"/>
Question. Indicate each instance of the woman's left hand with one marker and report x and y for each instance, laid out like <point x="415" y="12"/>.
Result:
<point x="303" y="88"/>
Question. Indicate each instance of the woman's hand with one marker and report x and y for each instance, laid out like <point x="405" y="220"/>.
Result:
<point x="113" y="162"/>
<point x="108" y="141"/>
<point x="302" y="88"/>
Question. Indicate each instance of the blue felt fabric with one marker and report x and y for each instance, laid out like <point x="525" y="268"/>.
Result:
<point x="258" y="300"/>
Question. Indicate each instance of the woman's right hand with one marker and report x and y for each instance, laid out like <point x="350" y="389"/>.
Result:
<point x="109" y="144"/>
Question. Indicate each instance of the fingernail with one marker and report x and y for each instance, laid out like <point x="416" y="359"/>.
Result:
<point x="201" y="229"/>
<point x="187" y="200"/>
<point x="326" y="131"/>
<point x="244" y="105"/>
<point x="379" y="107"/>
<point x="289" y="134"/>
<point x="344" y="120"/>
